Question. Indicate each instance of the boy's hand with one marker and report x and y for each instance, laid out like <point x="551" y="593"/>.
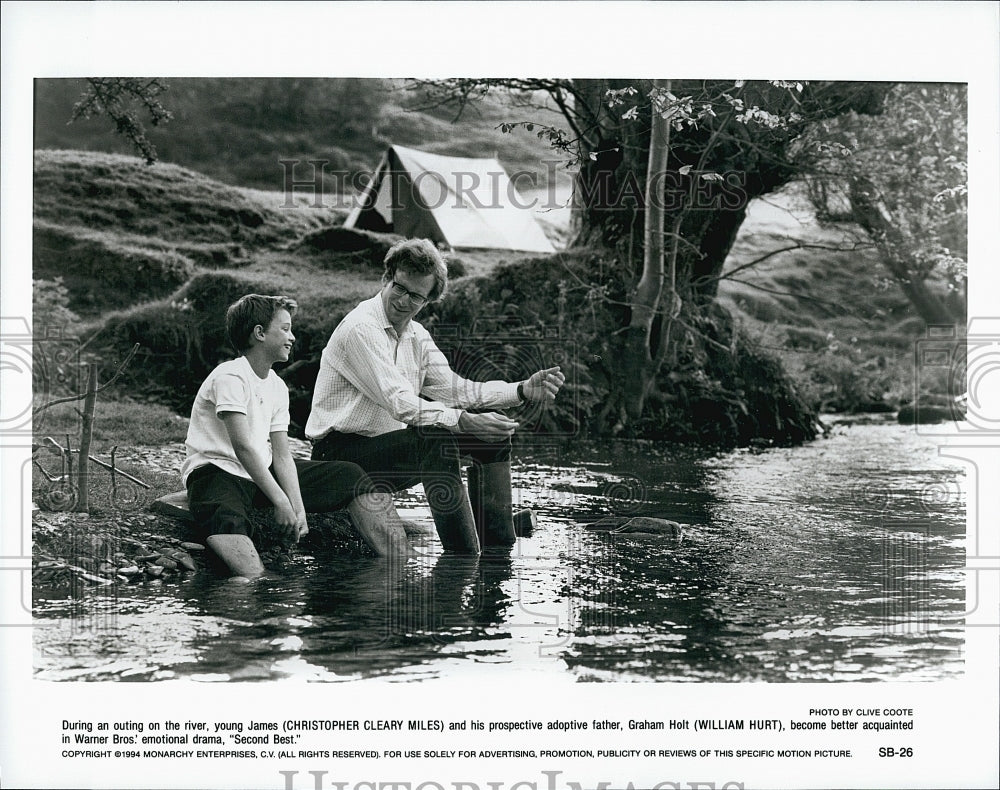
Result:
<point x="301" y="525"/>
<point x="287" y="521"/>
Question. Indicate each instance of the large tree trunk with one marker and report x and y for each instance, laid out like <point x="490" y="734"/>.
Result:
<point x="876" y="219"/>
<point x="689" y="240"/>
<point x="608" y="188"/>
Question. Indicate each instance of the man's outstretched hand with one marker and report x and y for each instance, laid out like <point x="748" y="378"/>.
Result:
<point x="489" y="426"/>
<point x="544" y="385"/>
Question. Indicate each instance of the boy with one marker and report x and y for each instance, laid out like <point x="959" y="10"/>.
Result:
<point x="238" y="455"/>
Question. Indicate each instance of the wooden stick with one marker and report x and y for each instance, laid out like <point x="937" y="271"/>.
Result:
<point x="86" y="436"/>
<point x="97" y="461"/>
<point x="104" y="386"/>
<point x="126" y="475"/>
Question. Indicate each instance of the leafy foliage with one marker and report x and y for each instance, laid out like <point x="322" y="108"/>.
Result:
<point x="50" y="307"/>
<point x="117" y="97"/>
<point x="566" y="309"/>
<point x="666" y="172"/>
<point x="902" y="177"/>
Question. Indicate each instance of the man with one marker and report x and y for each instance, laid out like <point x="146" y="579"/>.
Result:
<point x="387" y="400"/>
<point x="238" y="455"/>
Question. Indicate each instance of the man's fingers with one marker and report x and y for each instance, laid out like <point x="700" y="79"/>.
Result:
<point x="494" y="427"/>
<point x="550" y="380"/>
<point x="495" y="420"/>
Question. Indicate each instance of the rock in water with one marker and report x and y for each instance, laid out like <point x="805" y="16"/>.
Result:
<point x="607" y="524"/>
<point x="185" y="560"/>
<point x="651" y="526"/>
<point x="174" y="504"/>
<point x="524" y="522"/>
<point x="924" y="414"/>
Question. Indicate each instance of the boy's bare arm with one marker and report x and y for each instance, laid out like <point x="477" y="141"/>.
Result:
<point x="288" y="478"/>
<point x="238" y="429"/>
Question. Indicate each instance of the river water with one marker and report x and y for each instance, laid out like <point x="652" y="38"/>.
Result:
<point x="840" y="560"/>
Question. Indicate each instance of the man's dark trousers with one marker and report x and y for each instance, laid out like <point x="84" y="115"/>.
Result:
<point x="400" y="459"/>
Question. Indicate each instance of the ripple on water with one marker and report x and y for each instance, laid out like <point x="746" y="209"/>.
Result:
<point x="839" y="560"/>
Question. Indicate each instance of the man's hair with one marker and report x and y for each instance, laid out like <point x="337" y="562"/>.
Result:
<point x="250" y="311"/>
<point x="421" y="257"/>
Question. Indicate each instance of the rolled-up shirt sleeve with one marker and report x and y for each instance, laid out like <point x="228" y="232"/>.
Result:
<point x="230" y="394"/>
<point x="363" y="356"/>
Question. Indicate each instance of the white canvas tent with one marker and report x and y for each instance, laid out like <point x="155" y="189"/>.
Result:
<point x="460" y="201"/>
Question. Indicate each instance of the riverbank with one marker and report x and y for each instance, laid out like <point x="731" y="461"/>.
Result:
<point x="127" y="538"/>
<point x="189" y="246"/>
<point x="789" y="562"/>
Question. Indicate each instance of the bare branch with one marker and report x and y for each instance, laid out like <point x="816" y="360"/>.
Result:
<point x="728" y="275"/>
<point x="101" y="388"/>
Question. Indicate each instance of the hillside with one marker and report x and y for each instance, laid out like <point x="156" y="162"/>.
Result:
<point x="827" y="309"/>
<point x="153" y="255"/>
<point x="119" y="232"/>
<point x="237" y="130"/>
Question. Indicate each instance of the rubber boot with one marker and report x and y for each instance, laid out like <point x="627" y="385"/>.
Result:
<point x="489" y="490"/>
<point x="449" y="502"/>
<point x="376" y="519"/>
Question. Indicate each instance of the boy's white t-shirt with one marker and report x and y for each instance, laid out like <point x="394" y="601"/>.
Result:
<point x="233" y="386"/>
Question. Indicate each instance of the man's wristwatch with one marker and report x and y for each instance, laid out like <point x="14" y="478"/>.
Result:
<point x="520" y="391"/>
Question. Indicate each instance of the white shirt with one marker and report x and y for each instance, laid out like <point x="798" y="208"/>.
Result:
<point x="233" y="386"/>
<point x="371" y="379"/>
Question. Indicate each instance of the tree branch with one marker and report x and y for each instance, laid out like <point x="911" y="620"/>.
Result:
<point x="728" y="275"/>
<point x="108" y="383"/>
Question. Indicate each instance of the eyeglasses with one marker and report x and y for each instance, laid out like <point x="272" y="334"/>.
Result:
<point x="400" y="291"/>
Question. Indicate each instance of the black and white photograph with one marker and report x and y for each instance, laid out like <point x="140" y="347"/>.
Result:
<point x="551" y="427"/>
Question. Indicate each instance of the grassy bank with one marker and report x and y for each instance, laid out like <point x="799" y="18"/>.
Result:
<point x="129" y="254"/>
<point x="160" y="271"/>
<point x="827" y="310"/>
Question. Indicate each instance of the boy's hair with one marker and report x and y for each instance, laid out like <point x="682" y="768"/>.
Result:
<point x="417" y="256"/>
<point x="250" y="311"/>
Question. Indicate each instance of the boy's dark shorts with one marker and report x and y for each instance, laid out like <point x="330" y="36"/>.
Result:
<point x="221" y="503"/>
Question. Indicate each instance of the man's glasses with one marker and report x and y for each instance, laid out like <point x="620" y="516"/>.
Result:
<point x="400" y="291"/>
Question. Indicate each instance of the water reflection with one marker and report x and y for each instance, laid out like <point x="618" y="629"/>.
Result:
<point x="840" y="560"/>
